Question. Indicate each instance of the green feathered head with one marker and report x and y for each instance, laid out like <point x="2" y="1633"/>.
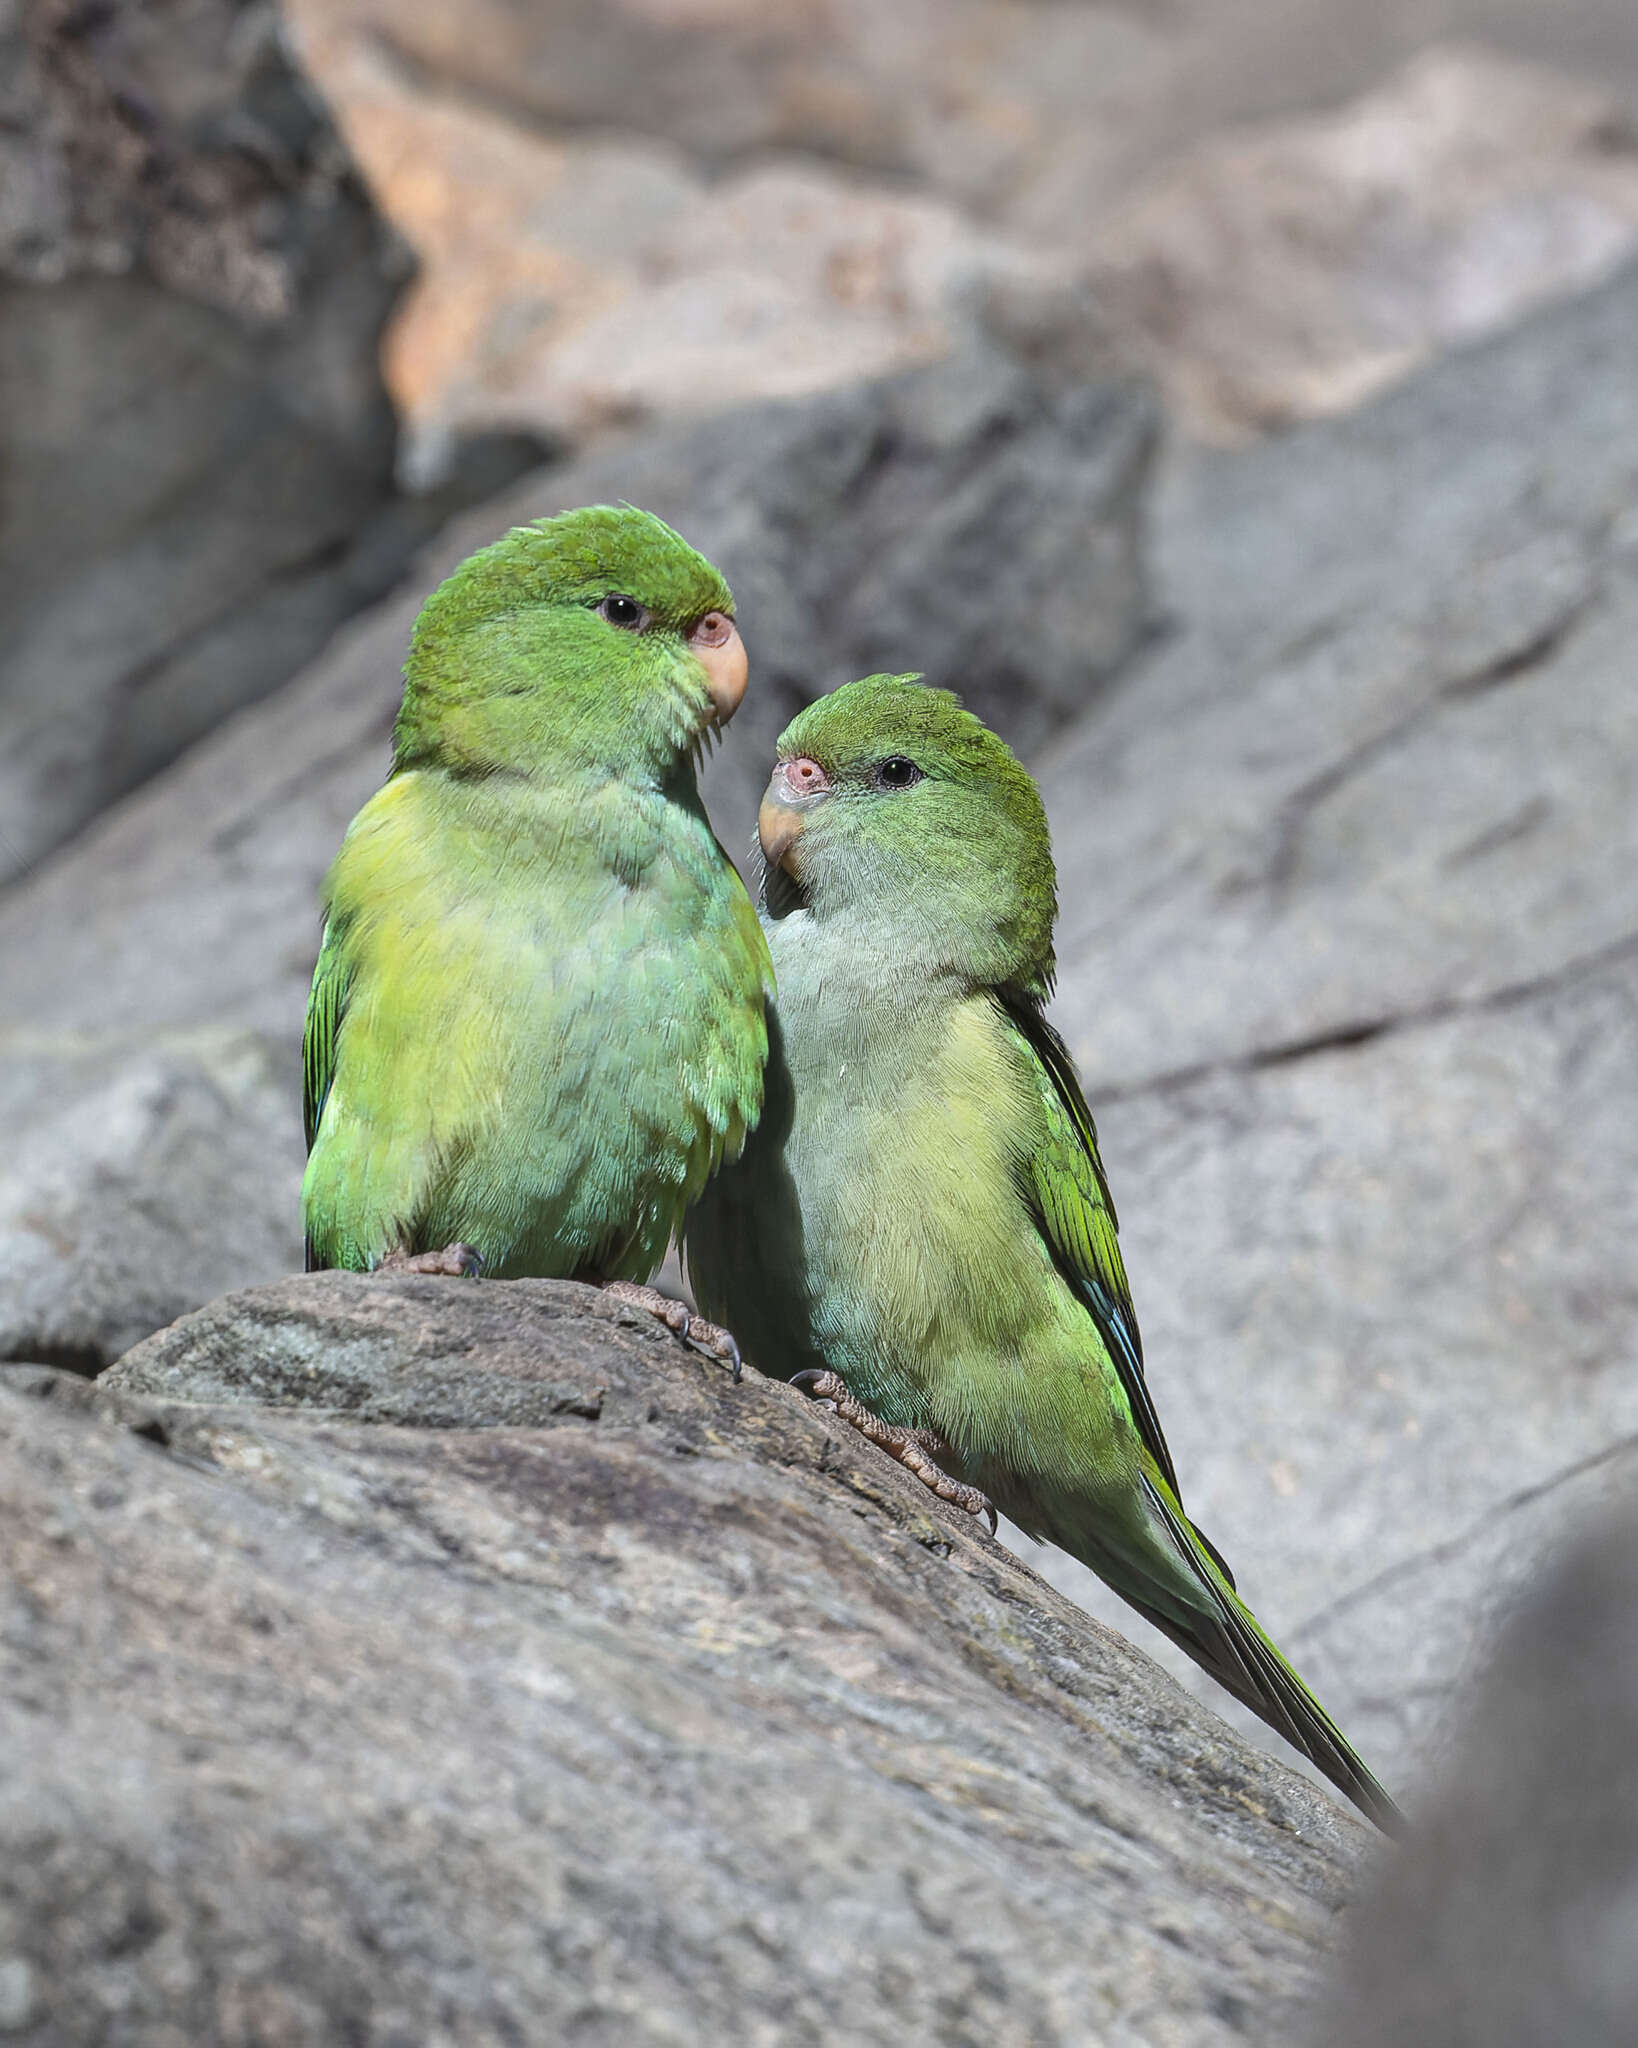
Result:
<point x="894" y="805"/>
<point x="595" y="638"/>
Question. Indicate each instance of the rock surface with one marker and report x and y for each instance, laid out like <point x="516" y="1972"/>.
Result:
<point x="1036" y="115"/>
<point x="594" y="279"/>
<point x="193" y="283"/>
<point x="1350" y="960"/>
<point x="1383" y="764"/>
<point x="471" y="1664"/>
<point x="1510" y="1919"/>
<point x="197" y="443"/>
<point x="152" y="1020"/>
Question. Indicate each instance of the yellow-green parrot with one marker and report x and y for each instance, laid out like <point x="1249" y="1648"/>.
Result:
<point x="536" y="1025"/>
<point x="920" y="1229"/>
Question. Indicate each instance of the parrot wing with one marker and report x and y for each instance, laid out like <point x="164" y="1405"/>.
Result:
<point x="1069" y="1194"/>
<point x="326" y="1005"/>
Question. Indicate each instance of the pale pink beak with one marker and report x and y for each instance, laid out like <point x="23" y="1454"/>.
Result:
<point x="794" y="789"/>
<point x="716" y="643"/>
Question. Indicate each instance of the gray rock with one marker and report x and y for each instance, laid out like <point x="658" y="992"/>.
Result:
<point x="1510" y="1919"/>
<point x="472" y="1663"/>
<point x="1387" y="1301"/>
<point x="1350" y="958"/>
<point x="1388" y="759"/>
<point x="47" y="1383"/>
<point x="975" y="521"/>
<point x="152" y="1023"/>
<point x="1293" y="269"/>
<point x="197" y="443"/>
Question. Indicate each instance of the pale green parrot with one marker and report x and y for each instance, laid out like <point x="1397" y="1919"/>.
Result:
<point x="920" y="1229"/>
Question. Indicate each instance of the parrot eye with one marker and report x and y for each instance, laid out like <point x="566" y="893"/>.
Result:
<point x="896" y="772"/>
<point x="624" y="611"/>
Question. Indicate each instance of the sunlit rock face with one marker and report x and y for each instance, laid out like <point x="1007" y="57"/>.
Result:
<point x="637" y="209"/>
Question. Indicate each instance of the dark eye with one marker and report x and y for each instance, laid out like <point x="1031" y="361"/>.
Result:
<point x="624" y="611"/>
<point x="896" y="773"/>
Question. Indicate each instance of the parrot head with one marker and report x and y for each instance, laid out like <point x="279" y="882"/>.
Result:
<point x="891" y="803"/>
<point x="598" y="637"/>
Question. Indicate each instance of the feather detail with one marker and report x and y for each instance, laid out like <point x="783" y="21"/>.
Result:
<point x="1069" y="1193"/>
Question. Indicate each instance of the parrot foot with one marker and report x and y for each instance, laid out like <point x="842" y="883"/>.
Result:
<point x="916" y="1449"/>
<point x="694" y="1330"/>
<point x="457" y="1261"/>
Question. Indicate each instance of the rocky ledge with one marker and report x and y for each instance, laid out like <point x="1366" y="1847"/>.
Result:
<point x="400" y="1660"/>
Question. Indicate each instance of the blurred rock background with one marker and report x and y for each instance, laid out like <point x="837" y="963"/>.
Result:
<point x="1237" y="401"/>
<point x="626" y="210"/>
<point x="1510" y="1920"/>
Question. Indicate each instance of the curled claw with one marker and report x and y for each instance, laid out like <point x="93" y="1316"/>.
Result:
<point x="916" y="1449"/>
<point x="695" y="1331"/>
<point x="455" y="1261"/>
<point x="729" y="1348"/>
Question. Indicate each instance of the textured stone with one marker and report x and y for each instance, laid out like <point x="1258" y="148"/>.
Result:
<point x="472" y="1663"/>
<point x="1509" y="1920"/>
<point x="646" y="209"/>
<point x="192" y="284"/>
<point x="1388" y="1301"/>
<point x="1385" y="763"/>
<point x="197" y="443"/>
<point x="1350" y="959"/>
<point x="594" y="279"/>
<point x="1292" y="270"/>
<point x="153" y="1018"/>
<point x="1037" y="115"/>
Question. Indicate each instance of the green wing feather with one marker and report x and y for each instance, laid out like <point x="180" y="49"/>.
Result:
<point x="326" y="1005"/>
<point x="1228" y="1641"/>
<point x="1070" y="1197"/>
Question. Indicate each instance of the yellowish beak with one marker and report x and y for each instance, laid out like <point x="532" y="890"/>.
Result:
<point x="793" y="791"/>
<point x="778" y="828"/>
<point x="716" y="643"/>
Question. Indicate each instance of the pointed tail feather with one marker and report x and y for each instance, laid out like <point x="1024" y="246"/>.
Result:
<point x="1228" y="1641"/>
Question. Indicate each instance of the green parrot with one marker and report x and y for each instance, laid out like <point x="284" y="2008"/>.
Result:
<point x="920" y="1230"/>
<point x="537" y="1020"/>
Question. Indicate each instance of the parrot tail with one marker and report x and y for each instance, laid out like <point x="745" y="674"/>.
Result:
<point x="1226" y="1639"/>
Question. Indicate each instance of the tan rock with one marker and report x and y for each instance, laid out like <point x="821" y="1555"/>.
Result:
<point x="671" y="206"/>
<point x="1035" y="115"/>
<point x="782" y="282"/>
<point x="597" y="280"/>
